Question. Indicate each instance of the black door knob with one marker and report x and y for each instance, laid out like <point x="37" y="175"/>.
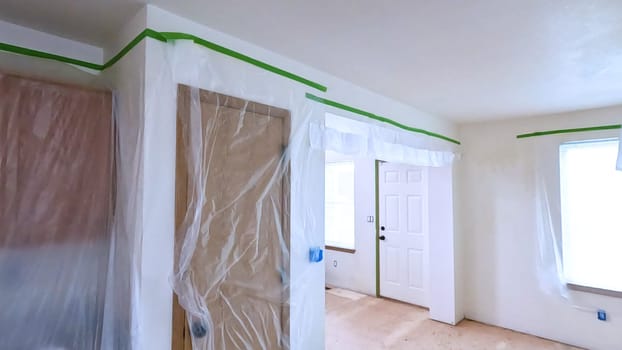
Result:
<point x="381" y="228"/>
<point x="198" y="329"/>
<point x="382" y="238"/>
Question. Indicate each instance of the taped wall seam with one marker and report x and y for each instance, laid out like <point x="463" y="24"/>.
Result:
<point x="163" y="37"/>
<point x="378" y="118"/>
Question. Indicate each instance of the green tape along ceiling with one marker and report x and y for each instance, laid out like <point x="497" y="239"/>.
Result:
<point x="164" y="37"/>
<point x="378" y="118"/>
<point x="170" y="36"/>
<point x="566" y="131"/>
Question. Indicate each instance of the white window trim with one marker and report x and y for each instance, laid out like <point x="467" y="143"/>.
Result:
<point x="573" y="285"/>
<point x="341" y="246"/>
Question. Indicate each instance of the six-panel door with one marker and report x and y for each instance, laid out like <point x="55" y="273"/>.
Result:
<point x="403" y="194"/>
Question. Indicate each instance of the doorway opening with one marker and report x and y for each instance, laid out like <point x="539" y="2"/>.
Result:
<point x="376" y="228"/>
<point x="388" y="212"/>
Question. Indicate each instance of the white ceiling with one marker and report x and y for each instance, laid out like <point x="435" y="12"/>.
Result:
<point x="463" y="60"/>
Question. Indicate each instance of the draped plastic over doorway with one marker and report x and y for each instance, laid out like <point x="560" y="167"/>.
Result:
<point x="60" y="266"/>
<point x="233" y="217"/>
<point x="367" y="140"/>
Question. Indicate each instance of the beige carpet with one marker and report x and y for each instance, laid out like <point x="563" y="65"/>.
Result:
<point x="370" y="323"/>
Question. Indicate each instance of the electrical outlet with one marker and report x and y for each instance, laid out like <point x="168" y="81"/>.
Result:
<point x="602" y="315"/>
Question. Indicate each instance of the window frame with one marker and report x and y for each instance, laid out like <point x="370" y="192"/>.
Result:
<point x="334" y="246"/>
<point x="573" y="286"/>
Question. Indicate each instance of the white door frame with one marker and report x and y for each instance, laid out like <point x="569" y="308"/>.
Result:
<point x="443" y="269"/>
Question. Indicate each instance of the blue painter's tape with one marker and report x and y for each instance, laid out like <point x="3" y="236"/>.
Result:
<point x="316" y="254"/>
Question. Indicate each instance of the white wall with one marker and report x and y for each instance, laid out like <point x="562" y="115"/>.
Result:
<point x="45" y="69"/>
<point x="338" y="89"/>
<point x="497" y="217"/>
<point x="444" y="293"/>
<point x="149" y="312"/>
<point x="33" y="39"/>
<point x="357" y="271"/>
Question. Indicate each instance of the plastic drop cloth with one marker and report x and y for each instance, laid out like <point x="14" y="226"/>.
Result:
<point x="65" y="239"/>
<point x="244" y="219"/>
<point x="234" y="257"/>
<point x="375" y="141"/>
<point x="548" y="206"/>
<point x="70" y="229"/>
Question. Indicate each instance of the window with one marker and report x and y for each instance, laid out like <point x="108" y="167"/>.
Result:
<point x="591" y="210"/>
<point x="339" y="196"/>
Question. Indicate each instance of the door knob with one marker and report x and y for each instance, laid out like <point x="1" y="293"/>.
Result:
<point x="198" y="329"/>
<point x="382" y="238"/>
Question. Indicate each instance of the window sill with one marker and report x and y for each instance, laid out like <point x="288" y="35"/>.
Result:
<point x="606" y="292"/>
<point x="339" y="249"/>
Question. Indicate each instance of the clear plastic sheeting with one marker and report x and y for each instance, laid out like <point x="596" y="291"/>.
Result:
<point x="70" y="204"/>
<point x="551" y="177"/>
<point x="366" y="140"/>
<point x="246" y="211"/>
<point x="56" y="219"/>
<point x="233" y="267"/>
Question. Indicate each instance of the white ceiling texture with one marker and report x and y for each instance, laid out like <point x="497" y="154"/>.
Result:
<point x="461" y="60"/>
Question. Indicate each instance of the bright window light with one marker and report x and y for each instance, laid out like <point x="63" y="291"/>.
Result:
<point x="339" y="194"/>
<point x="591" y="204"/>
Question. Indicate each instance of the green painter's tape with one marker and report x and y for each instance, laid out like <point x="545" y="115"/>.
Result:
<point x="218" y="48"/>
<point x="164" y="37"/>
<point x="377" y="228"/>
<point x="147" y="33"/>
<point x="377" y="117"/>
<point x="49" y="56"/>
<point x="566" y="131"/>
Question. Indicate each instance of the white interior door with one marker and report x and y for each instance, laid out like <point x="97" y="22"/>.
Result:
<point x="403" y="194"/>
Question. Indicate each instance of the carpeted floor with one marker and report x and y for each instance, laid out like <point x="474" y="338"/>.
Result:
<point x="356" y="321"/>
